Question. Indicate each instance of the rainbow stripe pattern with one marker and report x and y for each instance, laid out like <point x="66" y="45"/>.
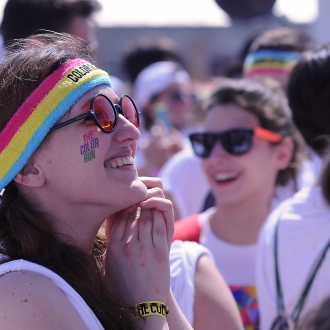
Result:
<point x="269" y="62"/>
<point x="41" y="110"/>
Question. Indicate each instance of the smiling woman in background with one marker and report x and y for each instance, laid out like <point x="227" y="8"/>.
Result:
<point x="247" y="146"/>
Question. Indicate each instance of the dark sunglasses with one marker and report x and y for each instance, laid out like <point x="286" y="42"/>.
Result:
<point x="177" y="96"/>
<point x="236" y="141"/>
<point x="104" y="113"/>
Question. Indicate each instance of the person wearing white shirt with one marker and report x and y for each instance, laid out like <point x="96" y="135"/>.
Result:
<point x="298" y="231"/>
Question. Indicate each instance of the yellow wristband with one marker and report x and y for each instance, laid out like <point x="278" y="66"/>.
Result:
<point x="149" y="308"/>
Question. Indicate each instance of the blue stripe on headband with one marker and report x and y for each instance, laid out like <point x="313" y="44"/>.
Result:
<point x="60" y="110"/>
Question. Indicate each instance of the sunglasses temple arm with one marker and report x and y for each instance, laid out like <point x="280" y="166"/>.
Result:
<point x="70" y="121"/>
<point x="267" y="135"/>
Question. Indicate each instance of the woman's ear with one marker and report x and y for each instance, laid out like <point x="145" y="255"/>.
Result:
<point x="31" y="175"/>
<point x="284" y="153"/>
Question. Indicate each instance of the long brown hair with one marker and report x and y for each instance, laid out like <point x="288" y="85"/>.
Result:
<point x="309" y="98"/>
<point x="25" y="232"/>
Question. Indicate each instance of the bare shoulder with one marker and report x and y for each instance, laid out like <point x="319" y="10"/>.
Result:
<point x="30" y="300"/>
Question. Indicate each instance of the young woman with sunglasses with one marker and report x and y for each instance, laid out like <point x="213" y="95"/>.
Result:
<point x="67" y="146"/>
<point x="248" y="147"/>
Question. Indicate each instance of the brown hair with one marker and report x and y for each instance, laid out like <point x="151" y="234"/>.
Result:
<point x="21" y="18"/>
<point x="317" y="319"/>
<point x="26" y="233"/>
<point x="283" y="38"/>
<point x="309" y="99"/>
<point x="268" y="103"/>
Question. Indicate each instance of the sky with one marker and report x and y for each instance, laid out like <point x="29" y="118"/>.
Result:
<point x="187" y="12"/>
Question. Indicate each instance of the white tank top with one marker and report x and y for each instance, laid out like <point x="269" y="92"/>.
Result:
<point x="87" y="315"/>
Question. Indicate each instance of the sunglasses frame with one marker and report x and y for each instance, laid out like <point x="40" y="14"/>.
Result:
<point x="90" y="114"/>
<point x="259" y="132"/>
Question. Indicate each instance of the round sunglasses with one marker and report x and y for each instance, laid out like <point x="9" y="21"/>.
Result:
<point x="105" y="113"/>
<point x="236" y="141"/>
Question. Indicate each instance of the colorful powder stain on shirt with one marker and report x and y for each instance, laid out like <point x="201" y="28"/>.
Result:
<point x="246" y="300"/>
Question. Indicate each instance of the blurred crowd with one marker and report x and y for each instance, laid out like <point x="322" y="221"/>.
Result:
<point x="244" y="159"/>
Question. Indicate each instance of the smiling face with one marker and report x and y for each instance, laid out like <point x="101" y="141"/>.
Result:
<point x="85" y="168"/>
<point x="237" y="179"/>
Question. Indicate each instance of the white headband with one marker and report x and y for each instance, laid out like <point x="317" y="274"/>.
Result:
<point x="154" y="79"/>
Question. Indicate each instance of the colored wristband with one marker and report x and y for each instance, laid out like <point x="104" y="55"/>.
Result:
<point x="149" y="308"/>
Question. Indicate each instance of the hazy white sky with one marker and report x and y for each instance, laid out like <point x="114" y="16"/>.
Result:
<point x="187" y="12"/>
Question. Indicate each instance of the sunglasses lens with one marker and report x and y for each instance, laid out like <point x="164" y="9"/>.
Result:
<point x="104" y="112"/>
<point x="176" y="96"/>
<point x="202" y="144"/>
<point x="129" y="110"/>
<point x="237" y="141"/>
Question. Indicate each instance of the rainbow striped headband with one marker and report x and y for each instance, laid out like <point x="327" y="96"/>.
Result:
<point x="50" y="101"/>
<point x="269" y="62"/>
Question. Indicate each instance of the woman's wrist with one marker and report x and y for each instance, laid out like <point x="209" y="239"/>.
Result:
<point x="151" y="308"/>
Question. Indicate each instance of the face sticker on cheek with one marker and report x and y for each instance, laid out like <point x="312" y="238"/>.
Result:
<point x="87" y="150"/>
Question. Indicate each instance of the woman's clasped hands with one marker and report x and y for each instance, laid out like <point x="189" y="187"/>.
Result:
<point x="139" y="240"/>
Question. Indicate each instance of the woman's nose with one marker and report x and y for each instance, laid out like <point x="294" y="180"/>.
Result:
<point x="126" y="130"/>
<point x="218" y="150"/>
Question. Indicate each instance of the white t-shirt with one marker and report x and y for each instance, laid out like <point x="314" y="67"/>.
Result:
<point x="303" y="233"/>
<point x="87" y="315"/>
<point x="183" y="260"/>
<point x="236" y="263"/>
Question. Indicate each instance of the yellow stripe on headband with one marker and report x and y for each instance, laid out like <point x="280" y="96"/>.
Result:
<point x="61" y="96"/>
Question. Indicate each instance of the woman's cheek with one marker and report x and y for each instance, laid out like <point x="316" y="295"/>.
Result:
<point x="205" y="165"/>
<point x="133" y="149"/>
<point x="88" y="147"/>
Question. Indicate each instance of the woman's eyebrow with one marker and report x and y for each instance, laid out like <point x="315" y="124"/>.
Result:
<point x="87" y="105"/>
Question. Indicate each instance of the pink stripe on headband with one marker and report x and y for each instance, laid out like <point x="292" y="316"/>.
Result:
<point x="27" y="108"/>
<point x="267" y="71"/>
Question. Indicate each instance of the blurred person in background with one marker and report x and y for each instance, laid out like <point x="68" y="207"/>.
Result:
<point x="22" y="18"/>
<point x="271" y="56"/>
<point x="145" y="51"/>
<point x="164" y="96"/>
<point x="273" y="44"/>
<point x="298" y="231"/>
<point x="249" y="147"/>
<point x="178" y="171"/>
<point x="274" y="53"/>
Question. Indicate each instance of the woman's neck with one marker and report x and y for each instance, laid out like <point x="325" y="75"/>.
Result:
<point x="76" y="224"/>
<point x="240" y="224"/>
